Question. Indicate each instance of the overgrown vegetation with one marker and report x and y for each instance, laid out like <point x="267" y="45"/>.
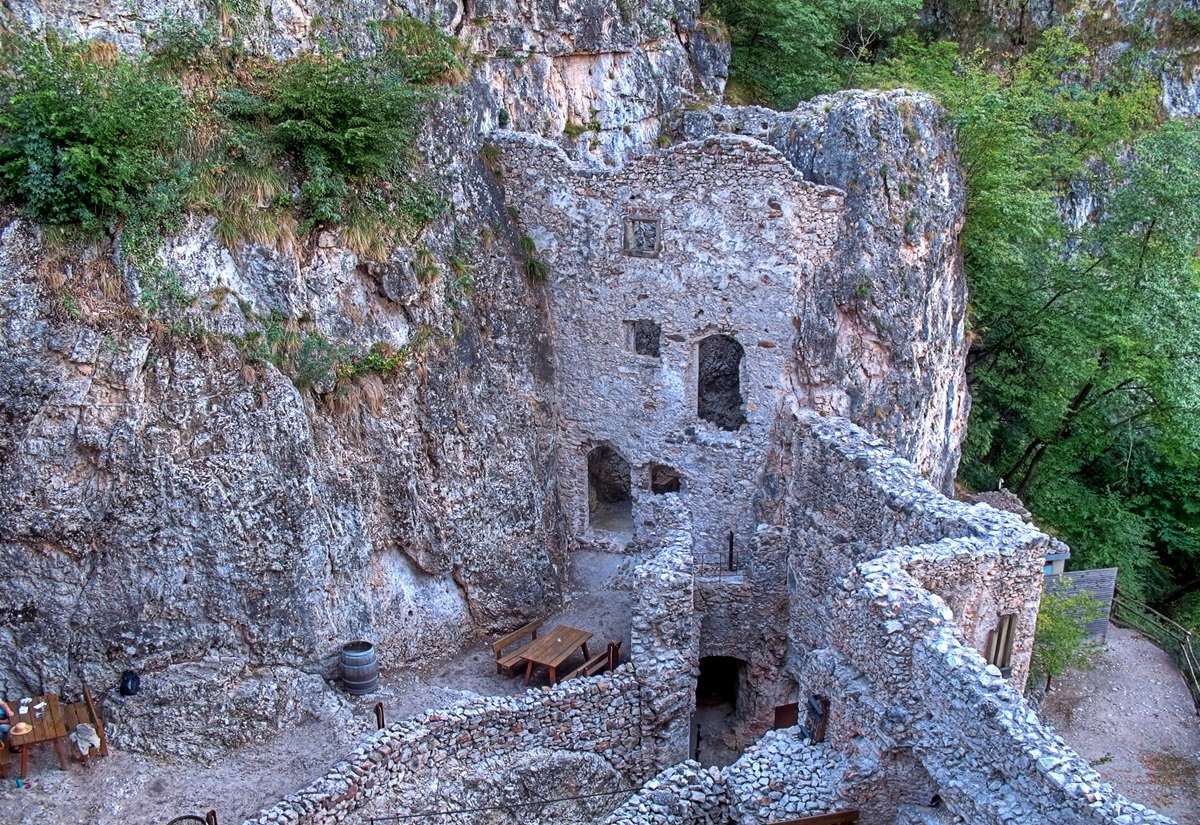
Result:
<point x="89" y="139"/>
<point x="787" y="50"/>
<point x="1085" y="330"/>
<point x="311" y="360"/>
<point x="94" y="140"/>
<point x="328" y="141"/>
<point x="1061" y="641"/>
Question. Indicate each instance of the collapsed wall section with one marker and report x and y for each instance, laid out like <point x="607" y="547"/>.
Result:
<point x="897" y="647"/>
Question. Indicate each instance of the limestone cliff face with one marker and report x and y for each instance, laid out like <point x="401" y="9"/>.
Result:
<point x="1166" y="30"/>
<point x="222" y="529"/>
<point x="168" y="509"/>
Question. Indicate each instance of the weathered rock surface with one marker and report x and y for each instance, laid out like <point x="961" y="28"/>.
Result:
<point x="169" y="509"/>
<point x="881" y="339"/>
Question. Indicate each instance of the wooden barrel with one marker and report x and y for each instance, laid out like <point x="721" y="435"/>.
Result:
<point x="360" y="669"/>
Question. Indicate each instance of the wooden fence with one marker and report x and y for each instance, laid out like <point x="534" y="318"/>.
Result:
<point x="1167" y="634"/>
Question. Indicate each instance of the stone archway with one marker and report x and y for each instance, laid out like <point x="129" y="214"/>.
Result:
<point x="610" y="490"/>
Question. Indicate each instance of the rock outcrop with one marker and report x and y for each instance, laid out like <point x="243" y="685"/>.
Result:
<point x="172" y="508"/>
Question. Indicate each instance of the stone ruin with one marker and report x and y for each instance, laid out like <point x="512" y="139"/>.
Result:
<point x="772" y="532"/>
<point x="745" y="371"/>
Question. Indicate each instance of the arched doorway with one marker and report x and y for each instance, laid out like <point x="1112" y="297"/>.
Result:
<point x="719" y="382"/>
<point x="610" y="497"/>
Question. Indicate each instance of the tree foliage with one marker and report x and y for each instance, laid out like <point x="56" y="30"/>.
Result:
<point x="788" y="50"/>
<point x="1083" y="221"/>
<point x="1086" y="321"/>
<point x="1061" y="640"/>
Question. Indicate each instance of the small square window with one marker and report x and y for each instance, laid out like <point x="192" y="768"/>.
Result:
<point x="644" y="337"/>
<point x="664" y="479"/>
<point x="643" y="237"/>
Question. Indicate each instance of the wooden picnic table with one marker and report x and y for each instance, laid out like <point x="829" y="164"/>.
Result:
<point x="553" y="648"/>
<point x="51" y="727"/>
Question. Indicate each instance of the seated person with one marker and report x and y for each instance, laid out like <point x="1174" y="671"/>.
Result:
<point x="6" y="717"/>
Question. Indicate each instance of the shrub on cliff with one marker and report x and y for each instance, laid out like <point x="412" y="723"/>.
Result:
<point x="88" y="137"/>
<point x="329" y="140"/>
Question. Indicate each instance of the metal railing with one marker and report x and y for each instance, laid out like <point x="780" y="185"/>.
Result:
<point x="725" y="564"/>
<point x="1171" y="636"/>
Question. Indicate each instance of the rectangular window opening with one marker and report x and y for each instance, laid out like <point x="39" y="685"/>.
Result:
<point x="1000" y="644"/>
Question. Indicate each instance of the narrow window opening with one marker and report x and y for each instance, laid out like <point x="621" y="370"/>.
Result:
<point x="610" y="501"/>
<point x="732" y="559"/>
<point x="644" y="337"/>
<point x="719" y="384"/>
<point x="664" y="479"/>
<point x="1000" y="644"/>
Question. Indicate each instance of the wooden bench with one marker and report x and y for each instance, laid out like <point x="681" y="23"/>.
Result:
<point x="80" y="713"/>
<point x="4" y="755"/>
<point x="605" y="660"/>
<point x="506" y="663"/>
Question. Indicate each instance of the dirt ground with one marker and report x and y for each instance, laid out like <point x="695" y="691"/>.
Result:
<point x="1133" y="718"/>
<point x="131" y="789"/>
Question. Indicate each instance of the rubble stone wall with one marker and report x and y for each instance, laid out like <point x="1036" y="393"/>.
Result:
<point x="583" y="736"/>
<point x="920" y="728"/>
<point x="412" y="765"/>
<point x="914" y="708"/>
<point x="737" y="228"/>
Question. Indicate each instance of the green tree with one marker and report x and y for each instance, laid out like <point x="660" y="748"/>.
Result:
<point x="1061" y="640"/>
<point x="1085" y="327"/>
<point x="788" y="50"/>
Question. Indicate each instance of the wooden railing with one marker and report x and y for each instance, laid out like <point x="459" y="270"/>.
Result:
<point x="1167" y="634"/>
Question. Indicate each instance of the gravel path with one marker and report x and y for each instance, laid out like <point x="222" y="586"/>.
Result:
<point x="1133" y="718"/>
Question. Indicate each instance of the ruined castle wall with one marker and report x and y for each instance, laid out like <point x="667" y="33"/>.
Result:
<point x="736" y="229"/>
<point x="583" y="736"/>
<point x="990" y="758"/>
<point x="896" y="647"/>
<point x="815" y="775"/>
<point x="849" y="498"/>
<point x="424" y="763"/>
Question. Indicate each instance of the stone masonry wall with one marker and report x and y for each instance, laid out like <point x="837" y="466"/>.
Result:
<point x="881" y="337"/>
<point x="738" y="229"/>
<point x="410" y="765"/>
<point x="684" y="794"/>
<point x="896" y="644"/>
<point x="915" y="712"/>
<point x="587" y="734"/>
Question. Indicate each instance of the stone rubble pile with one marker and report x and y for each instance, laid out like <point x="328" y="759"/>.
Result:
<point x="684" y="794"/>
<point x="784" y="776"/>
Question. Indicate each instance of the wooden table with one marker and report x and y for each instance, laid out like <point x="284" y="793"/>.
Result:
<point x="50" y="728"/>
<point x="553" y="648"/>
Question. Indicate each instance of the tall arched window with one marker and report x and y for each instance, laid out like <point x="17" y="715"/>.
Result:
<point x="719" y="382"/>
